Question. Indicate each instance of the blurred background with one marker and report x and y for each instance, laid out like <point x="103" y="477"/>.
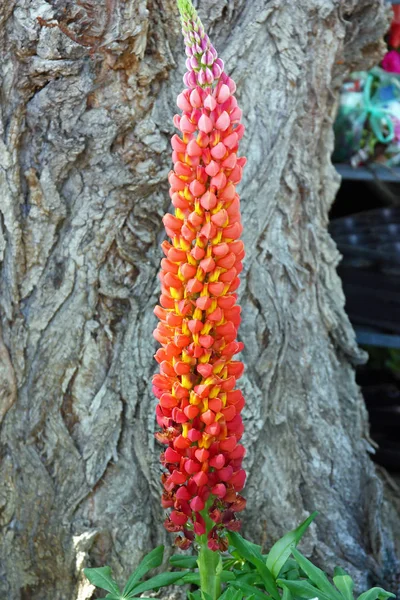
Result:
<point x="365" y="223"/>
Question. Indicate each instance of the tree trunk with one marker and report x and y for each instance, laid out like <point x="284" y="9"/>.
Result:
<point x="88" y="94"/>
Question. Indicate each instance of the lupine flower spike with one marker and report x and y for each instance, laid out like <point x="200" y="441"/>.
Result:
<point x="199" y="406"/>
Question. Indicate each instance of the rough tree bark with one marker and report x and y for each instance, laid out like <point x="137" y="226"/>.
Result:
<point x="87" y="98"/>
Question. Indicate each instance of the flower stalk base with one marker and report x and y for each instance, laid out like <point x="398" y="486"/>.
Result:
<point x="209" y="570"/>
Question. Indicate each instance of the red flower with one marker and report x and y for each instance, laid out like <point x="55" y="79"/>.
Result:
<point x="182" y="542"/>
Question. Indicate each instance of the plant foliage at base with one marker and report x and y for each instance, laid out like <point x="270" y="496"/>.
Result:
<point x="284" y="573"/>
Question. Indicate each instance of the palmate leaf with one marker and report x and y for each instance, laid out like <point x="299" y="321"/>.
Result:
<point x="156" y="582"/>
<point x="194" y="578"/>
<point x="194" y="595"/>
<point x="292" y="574"/>
<point x="317" y="576"/>
<point x="252" y="553"/>
<point x="302" y="589"/>
<point x="252" y="578"/>
<point x="183" y="562"/>
<point x="280" y="551"/>
<point x="289" y="565"/>
<point x="231" y="594"/>
<point x="102" y="578"/>
<point x="152" y="560"/>
<point x="344" y="583"/>
<point x="376" y="593"/>
<point x="230" y="563"/>
<point x="120" y="597"/>
<point x="249" y="590"/>
<point x="287" y="595"/>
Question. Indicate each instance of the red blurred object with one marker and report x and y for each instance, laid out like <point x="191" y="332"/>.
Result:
<point x="394" y="33"/>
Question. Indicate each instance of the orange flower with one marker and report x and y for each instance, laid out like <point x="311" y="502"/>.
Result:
<point x="199" y="407"/>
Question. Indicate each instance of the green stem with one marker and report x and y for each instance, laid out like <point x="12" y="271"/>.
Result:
<point x="208" y="560"/>
<point x="210" y="580"/>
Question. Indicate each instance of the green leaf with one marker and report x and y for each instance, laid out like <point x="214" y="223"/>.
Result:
<point x="252" y="553"/>
<point x="192" y="578"/>
<point x="344" y="583"/>
<point x="252" y="578"/>
<point x="101" y="577"/>
<point x="227" y="576"/>
<point x="376" y="593"/>
<point x="194" y="595"/>
<point x="287" y="595"/>
<point x="289" y="565"/>
<point x="219" y="567"/>
<point x="249" y="590"/>
<point x="280" y="551"/>
<point x="231" y="594"/>
<point x="302" y="589"/>
<point x="317" y="576"/>
<point x="113" y="597"/>
<point x="205" y="596"/>
<point x="292" y="575"/>
<point x="156" y="582"/>
<point x="152" y="560"/>
<point x="256" y="548"/>
<point x="183" y="562"/>
<point x="231" y="562"/>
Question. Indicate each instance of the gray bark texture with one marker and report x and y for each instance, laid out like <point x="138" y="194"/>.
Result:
<point x="87" y="98"/>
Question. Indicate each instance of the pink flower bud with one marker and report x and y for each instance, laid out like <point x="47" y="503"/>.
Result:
<point x="195" y="99"/>
<point x="223" y="121"/>
<point x="202" y="78"/>
<point x="216" y="71"/>
<point x="207" y="59"/>
<point x="183" y="103"/>
<point x="192" y="80"/>
<point x="223" y="93"/>
<point x="220" y="63"/>
<point x="210" y="102"/>
<point x="218" y="151"/>
<point x="232" y="85"/>
<point x="177" y="121"/>
<point x="209" y="76"/>
<point x="212" y="169"/>
<point x="194" y="63"/>
<point x="205" y="124"/>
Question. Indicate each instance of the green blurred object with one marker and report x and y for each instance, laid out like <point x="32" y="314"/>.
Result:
<point x="384" y="358"/>
<point x="367" y="126"/>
